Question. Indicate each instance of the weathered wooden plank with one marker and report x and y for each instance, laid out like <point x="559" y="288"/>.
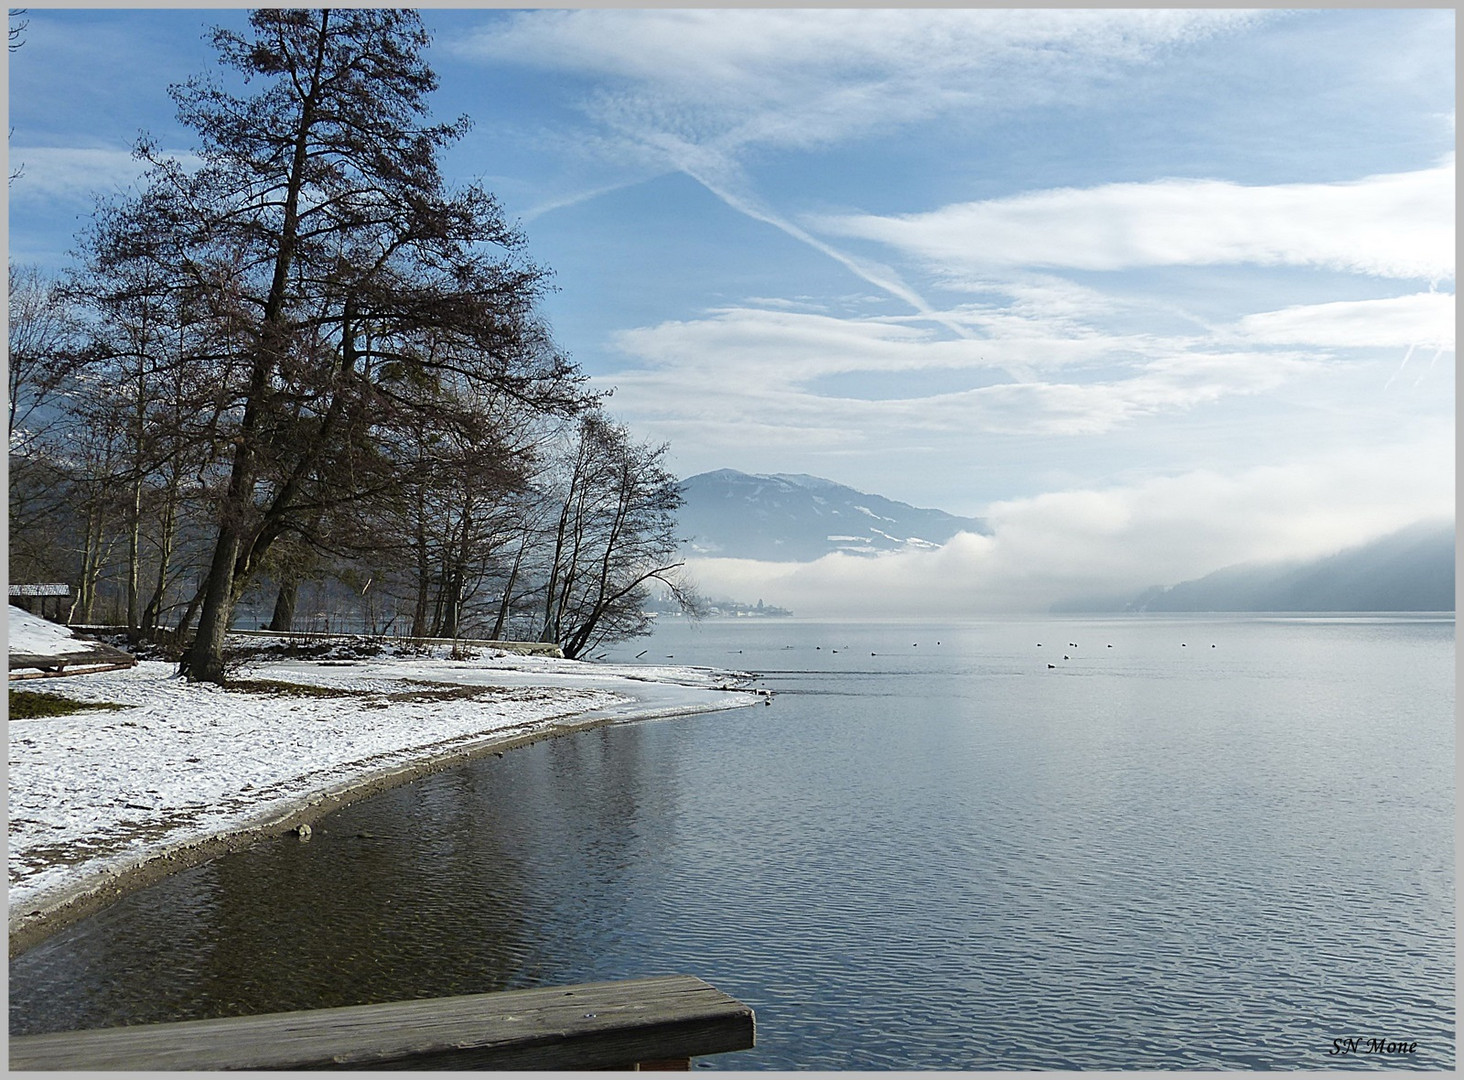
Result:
<point x="67" y="671"/>
<point x="91" y="655"/>
<point x="572" y="1027"/>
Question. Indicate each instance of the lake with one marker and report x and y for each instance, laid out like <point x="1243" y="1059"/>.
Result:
<point x="1144" y="842"/>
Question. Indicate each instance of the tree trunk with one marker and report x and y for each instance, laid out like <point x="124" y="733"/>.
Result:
<point x="186" y="619"/>
<point x="91" y="572"/>
<point x="204" y="661"/>
<point x="503" y="607"/>
<point x="205" y="658"/>
<point x="457" y="575"/>
<point x="134" y="558"/>
<point x="550" y="629"/>
<point x="154" y="607"/>
<point x="424" y="572"/>
<point x="81" y="608"/>
<point x="283" y="618"/>
<point x="452" y="588"/>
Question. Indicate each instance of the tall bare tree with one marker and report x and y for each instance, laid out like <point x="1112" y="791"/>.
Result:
<point x="45" y="357"/>
<point x="359" y="268"/>
<point x="44" y="351"/>
<point x="615" y="535"/>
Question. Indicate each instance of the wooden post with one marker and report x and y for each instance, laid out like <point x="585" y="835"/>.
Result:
<point x="635" y="1024"/>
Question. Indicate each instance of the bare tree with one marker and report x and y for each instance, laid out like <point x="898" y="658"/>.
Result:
<point x="359" y="269"/>
<point x="615" y="534"/>
<point x="45" y="358"/>
<point x="44" y="352"/>
<point x="161" y="335"/>
<point x="16" y="41"/>
<point x="309" y="363"/>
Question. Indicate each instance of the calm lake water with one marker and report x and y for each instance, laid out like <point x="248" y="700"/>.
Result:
<point x="1193" y="843"/>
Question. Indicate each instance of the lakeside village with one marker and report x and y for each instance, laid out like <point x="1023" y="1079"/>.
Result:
<point x="717" y="609"/>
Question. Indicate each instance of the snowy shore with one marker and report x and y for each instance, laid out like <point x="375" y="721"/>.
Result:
<point x="104" y="802"/>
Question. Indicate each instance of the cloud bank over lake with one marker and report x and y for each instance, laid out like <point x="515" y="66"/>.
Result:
<point x="1062" y="546"/>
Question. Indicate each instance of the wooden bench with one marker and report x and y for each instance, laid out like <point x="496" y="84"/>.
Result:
<point x="661" y="1022"/>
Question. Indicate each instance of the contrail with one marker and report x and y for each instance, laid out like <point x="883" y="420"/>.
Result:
<point x="1437" y="353"/>
<point x="683" y="156"/>
<point x="713" y="171"/>
<point x="1401" y="366"/>
<point x="579" y="197"/>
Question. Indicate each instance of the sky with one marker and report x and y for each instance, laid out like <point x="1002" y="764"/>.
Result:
<point x="1154" y="292"/>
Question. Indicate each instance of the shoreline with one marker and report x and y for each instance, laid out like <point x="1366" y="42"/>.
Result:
<point x="53" y="908"/>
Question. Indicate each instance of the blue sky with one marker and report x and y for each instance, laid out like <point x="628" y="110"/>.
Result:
<point x="1154" y="291"/>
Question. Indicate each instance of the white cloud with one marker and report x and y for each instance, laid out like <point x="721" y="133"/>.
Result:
<point x="1425" y="320"/>
<point x="754" y="367"/>
<point x="67" y="172"/>
<point x="790" y="347"/>
<point x="77" y="173"/>
<point x="719" y="174"/>
<point x="1120" y="540"/>
<point x="695" y="89"/>
<point x="811" y="77"/>
<point x="1399" y="226"/>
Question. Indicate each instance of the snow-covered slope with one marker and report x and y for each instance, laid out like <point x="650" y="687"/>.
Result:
<point x="35" y="636"/>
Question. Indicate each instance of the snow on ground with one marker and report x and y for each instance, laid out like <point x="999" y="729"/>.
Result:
<point x="35" y="636"/>
<point x="98" y="792"/>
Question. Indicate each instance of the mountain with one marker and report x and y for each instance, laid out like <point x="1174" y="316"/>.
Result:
<point x="1410" y="570"/>
<point x="797" y="518"/>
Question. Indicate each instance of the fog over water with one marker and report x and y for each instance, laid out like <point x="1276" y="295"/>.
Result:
<point x="1034" y="563"/>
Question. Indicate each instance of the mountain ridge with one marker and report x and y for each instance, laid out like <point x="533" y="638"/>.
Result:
<point x="1410" y="569"/>
<point x="797" y="517"/>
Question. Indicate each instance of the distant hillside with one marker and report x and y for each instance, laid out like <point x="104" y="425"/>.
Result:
<point x="1410" y="570"/>
<point x="796" y="518"/>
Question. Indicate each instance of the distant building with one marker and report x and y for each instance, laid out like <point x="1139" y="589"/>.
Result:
<point x="40" y="649"/>
<point x="47" y="601"/>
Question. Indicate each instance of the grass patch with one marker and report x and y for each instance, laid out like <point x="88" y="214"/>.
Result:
<point x="35" y="704"/>
<point x="424" y="692"/>
<point x="289" y="689"/>
<point x="432" y="691"/>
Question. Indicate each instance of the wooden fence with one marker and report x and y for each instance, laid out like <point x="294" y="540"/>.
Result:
<point x="661" y="1022"/>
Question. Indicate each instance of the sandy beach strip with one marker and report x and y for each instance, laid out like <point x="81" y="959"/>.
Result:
<point x="102" y="803"/>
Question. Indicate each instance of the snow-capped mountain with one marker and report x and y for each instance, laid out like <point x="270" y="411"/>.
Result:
<point x="798" y="518"/>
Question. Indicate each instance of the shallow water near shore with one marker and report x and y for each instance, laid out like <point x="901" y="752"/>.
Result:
<point x="1190" y="843"/>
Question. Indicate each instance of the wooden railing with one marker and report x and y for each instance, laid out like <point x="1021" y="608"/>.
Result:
<point x="660" y="1022"/>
